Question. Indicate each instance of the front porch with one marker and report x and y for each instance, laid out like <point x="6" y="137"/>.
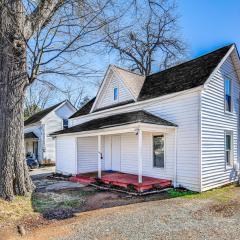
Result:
<point x="123" y="180"/>
<point x="137" y="149"/>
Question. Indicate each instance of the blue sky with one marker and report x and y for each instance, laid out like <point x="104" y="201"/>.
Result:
<point x="205" y="25"/>
<point x="209" y="24"/>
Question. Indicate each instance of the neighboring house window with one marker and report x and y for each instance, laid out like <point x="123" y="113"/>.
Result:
<point x="158" y="151"/>
<point x="228" y="95"/>
<point x="229" y="147"/>
<point x="65" y="123"/>
<point x="115" y="94"/>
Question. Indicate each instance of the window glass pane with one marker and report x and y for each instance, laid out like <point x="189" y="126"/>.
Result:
<point x="158" y="151"/>
<point x="228" y="100"/>
<point x="228" y="148"/>
<point x="65" y="123"/>
<point x="228" y="142"/>
<point x="227" y="87"/>
<point x="115" y="93"/>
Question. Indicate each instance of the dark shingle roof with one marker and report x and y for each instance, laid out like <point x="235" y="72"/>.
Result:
<point x="117" y="120"/>
<point x="38" y="116"/>
<point x="30" y="135"/>
<point x="85" y="109"/>
<point x="183" y="76"/>
<point x="114" y="105"/>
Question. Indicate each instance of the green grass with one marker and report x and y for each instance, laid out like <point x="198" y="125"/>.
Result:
<point x="222" y="194"/>
<point x="173" y="193"/>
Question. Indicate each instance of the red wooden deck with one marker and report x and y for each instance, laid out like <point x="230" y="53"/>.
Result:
<point x="124" y="180"/>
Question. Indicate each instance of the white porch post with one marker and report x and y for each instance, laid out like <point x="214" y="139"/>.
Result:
<point x="139" y="156"/>
<point x="99" y="157"/>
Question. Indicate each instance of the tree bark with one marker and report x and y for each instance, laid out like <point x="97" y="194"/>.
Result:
<point x="14" y="177"/>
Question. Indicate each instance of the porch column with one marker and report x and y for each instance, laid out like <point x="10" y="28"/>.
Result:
<point x="139" y="156"/>
<point x="99" y="157"/>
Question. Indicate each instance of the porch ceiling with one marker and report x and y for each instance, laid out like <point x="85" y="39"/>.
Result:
<point x="30" y="135"/>
<point x="129" y="118"/>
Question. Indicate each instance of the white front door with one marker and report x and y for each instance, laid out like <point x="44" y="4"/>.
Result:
<point x="116" y="153"/>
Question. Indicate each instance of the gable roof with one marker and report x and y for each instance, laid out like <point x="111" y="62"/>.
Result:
<point x="85" y="109"/>
<point x="178" y="78"/>
<point x="132" y="80"/>
<point x="40" y="115"/>
<point x="183" y="76"/>
<point x="117" y="120"/>
<point x="30" y="135"/>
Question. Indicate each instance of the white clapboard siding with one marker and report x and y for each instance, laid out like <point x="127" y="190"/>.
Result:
<point x="214" y="122"/>
<point x="87" y="154"/>
<point x="129" y="155"/>
<point x="106" y="97"/>
<point x="52" y="124"/>
<point x="66" y="155"/>
<point x="183" y="111"/>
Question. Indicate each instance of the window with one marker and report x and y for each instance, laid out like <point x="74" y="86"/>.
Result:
<point x="115" y="94"/>
<point x="158" y="151"/>
<point x="228" y="95"/>
<point x="65" y="123"/>
<point x="228" y="147"/>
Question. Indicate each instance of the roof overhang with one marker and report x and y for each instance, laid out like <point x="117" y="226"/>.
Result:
<point x="145" y="127"/>
<point x="30" y="135"/>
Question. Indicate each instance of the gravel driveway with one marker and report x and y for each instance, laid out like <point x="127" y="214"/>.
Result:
<point x="214" y="217"/>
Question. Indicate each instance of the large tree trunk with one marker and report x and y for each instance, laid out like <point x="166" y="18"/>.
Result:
<point x="14" y="177"/>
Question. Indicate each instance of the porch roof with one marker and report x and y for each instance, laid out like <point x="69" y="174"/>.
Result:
<point x="117" y="120"/>
<point x="30" y="135"/>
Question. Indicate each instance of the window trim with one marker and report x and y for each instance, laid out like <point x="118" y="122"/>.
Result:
<point x="231" y="92"/>
<point x="115" y="88"/>
<point x="164" y="151"/>
<point x="231" y="163"/>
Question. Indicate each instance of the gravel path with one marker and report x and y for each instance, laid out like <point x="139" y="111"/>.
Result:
<point x="178" y="218"/>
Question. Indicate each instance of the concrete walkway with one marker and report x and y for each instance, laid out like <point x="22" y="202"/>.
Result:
<point x="42" y="172"/>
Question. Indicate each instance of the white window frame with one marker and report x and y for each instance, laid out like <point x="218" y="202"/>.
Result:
<point x="164" y="150"/>
<point x="231" y="92"/>
<point x="231" y="162"/>
<point x="114" y="93"/>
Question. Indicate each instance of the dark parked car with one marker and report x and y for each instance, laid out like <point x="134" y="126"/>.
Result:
<point x="32" y="162"/>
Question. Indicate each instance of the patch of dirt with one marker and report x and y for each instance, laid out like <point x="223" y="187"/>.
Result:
<point x="225" y="210"/>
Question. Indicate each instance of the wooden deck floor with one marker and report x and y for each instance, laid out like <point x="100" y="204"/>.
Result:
<point x="123" y="180"/>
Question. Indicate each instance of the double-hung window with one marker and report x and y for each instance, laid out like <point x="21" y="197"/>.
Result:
<point x="229" y="148"/>
<point x="158" y="151"/>
<point x="228" y="95"/>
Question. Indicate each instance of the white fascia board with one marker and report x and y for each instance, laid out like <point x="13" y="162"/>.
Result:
<point x="110" y="67"/>
<point x="218" y="66"/>
<point x="36" y="124"/>
<point x="139" y="105"/>
<point x="121" y="129"/>
<point x="124" y="84"/>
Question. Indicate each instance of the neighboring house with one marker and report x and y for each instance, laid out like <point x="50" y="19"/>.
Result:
<point x="38" y="127"/>
<point x="180" y="124"/>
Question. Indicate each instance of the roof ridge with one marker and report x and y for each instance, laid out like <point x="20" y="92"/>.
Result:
<point x="127" y="70"/>
<point x="218" y="49"/>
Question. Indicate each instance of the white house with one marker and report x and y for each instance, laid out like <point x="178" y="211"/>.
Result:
<point x="38" y="127"/>
<point x="179" y="124"/>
